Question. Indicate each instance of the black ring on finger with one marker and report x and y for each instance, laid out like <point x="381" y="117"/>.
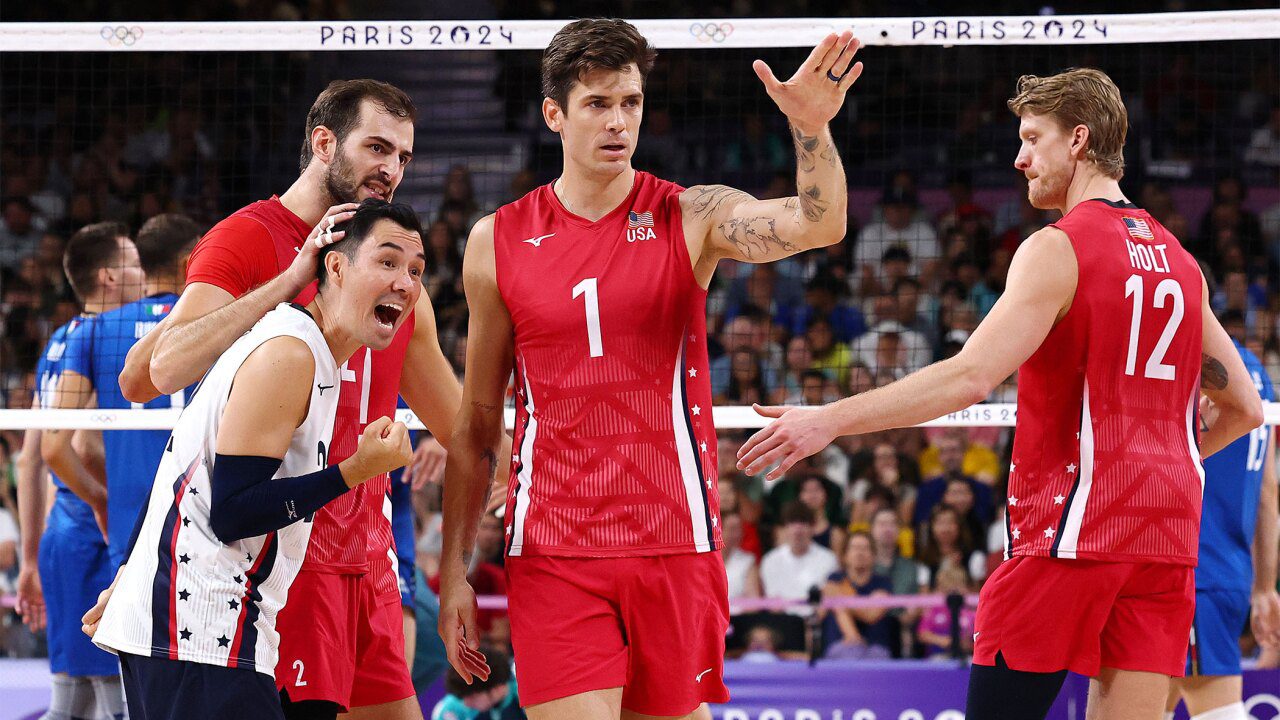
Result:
<point x="835" y="78"/>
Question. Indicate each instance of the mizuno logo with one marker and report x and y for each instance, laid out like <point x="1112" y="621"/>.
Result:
<point x="291" y="509"/>
<point x="322" y="388"/>
<point x="704" y="672"/>
<point x="537" y="241"/>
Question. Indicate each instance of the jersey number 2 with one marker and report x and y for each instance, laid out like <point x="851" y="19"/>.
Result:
<point x="1156" y="367"/>
<point x="588" y="287"/>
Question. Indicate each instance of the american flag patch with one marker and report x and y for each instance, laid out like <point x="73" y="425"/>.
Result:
<point x="1139" y="228"/>
<point x="639" y="220"/>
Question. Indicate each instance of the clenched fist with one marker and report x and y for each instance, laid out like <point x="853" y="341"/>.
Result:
<point x="384" y="446"/>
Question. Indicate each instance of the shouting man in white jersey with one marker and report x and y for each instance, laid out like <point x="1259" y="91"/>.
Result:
<point x="192" y="612"/>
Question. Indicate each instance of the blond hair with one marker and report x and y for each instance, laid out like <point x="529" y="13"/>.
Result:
<point x="1080" y="96"/>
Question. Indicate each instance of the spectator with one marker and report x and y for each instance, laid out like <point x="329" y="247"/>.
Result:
<point x="20" y="230"/>
<point x="951" y="453"/>
<point x="886" y="471"/>
<point x="741" y="333"/>
<point x="746" y="380"/>
<point x="934" y="631"/>
<point x="889" y="537"/>
<point x="763" y="643"/>
<point x="908" y="293"/>
<point x="829" y="355"/>
<point x="946" y="542"/>
<point x="490" y="540"/>
<point x="823" y="297"/>
<point x="979" y="460"/>
<point x="788" y="490"/>
<point x="815" y="389"/>
<point x="790" y="570"/>
<point x="862" y="633"/>
<point x="798" y="362"/>
<point x="815" y="497"/>
<point x="740" y="566"/>
<point x="898" y="229"/>
<point x="890" y="345"/>
<point x="494" y="698"/>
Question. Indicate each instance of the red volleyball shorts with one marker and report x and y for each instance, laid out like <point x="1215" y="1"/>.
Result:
<point x="1050" y="614"/>
<point x="654" y="626"/>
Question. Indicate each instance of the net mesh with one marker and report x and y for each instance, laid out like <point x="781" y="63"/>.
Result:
<point x="125" y="134"/>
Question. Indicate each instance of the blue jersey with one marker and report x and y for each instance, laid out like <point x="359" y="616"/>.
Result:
<point x="402" y="533"/>
<point x="132" y="456"/>
<point x="1233" y="481"/>
<point x="69" y="512"/>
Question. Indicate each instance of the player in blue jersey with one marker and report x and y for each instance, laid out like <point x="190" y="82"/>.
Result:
<point x="95" y="357"/>
<point x="102" y="267"/>
<point x="1239" y="511"/>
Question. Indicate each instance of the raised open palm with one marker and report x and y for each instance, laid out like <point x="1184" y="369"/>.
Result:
<point x="815" y="93"/>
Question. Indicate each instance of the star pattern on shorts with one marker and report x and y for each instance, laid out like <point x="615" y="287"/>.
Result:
<point x="183" y="594"/>
<point x="248" y="557"/>
<point x="1016" y="533"/>
<point x="224" y="641"/>
<point x="185" y="633"/>
<point x="1048" y="532"/>
<point x="233" y="604"/>
<point x="195" y="490"/>
<point x="237" y="579"/>
<point x="184" y="558"/>
<point x="186" y="522"/>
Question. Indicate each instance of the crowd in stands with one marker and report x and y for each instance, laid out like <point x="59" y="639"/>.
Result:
<point x="895" y="513"/>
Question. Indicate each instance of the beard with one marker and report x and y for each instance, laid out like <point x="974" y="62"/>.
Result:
<point x="1048" y="191"/>
<point x="340" y="182"/>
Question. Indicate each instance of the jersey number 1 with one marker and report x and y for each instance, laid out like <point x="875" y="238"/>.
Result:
<point x="1156" y="368"/>
<point x="588" y="287"/>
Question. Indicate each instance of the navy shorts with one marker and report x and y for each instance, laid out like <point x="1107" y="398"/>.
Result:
<point x="1215" y="633"/>
<point x="162" y="689"/>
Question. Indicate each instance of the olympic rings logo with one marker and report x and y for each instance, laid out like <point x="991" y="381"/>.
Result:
<point x="121" y="35"/>
<point x="711" y="32"/>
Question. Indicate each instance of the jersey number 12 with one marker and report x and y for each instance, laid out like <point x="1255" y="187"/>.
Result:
<point x="1168" y="289"/>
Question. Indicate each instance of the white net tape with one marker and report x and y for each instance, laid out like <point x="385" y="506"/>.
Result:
<point x="729" y="417"/>
<point x="666" y="34"/>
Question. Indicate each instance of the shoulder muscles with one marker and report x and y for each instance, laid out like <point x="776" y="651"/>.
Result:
<point x="269" y="399"/>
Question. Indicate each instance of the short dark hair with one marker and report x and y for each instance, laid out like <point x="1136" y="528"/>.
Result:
<point x="357" y="229"/>
<point x="592" y="44"/>
<point x="163" y="240"/>
<point x="1230" y="317"/>
<point x="499" y="674"/>
<point x="337" y="107"/>
<point x="90" y="249"/>
<point x="862" y="534"/>
<point x="813" y="373"/>
<point x="796" y="512"/>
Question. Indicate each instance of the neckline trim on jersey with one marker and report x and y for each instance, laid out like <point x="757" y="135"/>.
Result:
<point x="1117" y="204"/>
<point x="576" y="219"/>
<point x="303" y="310"/>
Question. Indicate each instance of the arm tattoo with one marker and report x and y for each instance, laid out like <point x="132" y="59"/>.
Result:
<point x="490" y="458"/>
<point x="755" y="236"/>
<point x="806" y="146"/>
<point x="1213" y="374"/>
<point x="812" y="204"/>
<point x="484" y="407"/>
<point x="707" y="199"/>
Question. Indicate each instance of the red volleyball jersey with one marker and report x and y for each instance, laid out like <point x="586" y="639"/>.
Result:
<point x="1106" y="460"/>
<point x="614" y="448"/>
<point x="247" y="249"/>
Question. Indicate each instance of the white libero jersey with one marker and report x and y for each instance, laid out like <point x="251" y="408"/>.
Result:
<point x="183" y="594"/>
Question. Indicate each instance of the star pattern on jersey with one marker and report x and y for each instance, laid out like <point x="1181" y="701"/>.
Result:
<point x="1016" y="533"/>
<point x="715" y="521"/>
<point x="693" y="372"/>
<point x="186" y="522"/>
<point x="224" y="641"/>
<point x="238" y="580"/>
<point x="184" y="558"/>
<point x="515" y="458"/>
<point x="1071" y="468"/>
<point x="248" y="557"/>
<point x="185" y="633"/>
<point x="183" y="594"/>
<point x="703" y="446"/>
<point x="1057" y="499"/>
<point x="1013" y="501"/>
<point x="708" y="483"/>
<point x="233" y="604"/>
<point x="1048" y="532"/>
<point x="696" y="410"/>
<point x="1012" y="467"/>
<point x="693" y="338"/>
<point x="195" y="490"/>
